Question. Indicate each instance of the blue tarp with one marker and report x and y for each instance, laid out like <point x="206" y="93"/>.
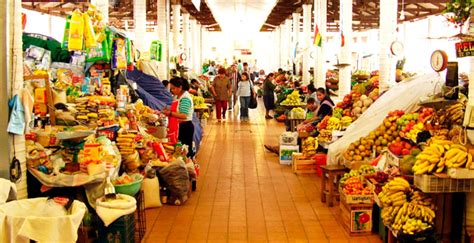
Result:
<point x="155" y="95"/>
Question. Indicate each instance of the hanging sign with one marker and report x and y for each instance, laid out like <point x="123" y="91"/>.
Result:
<point x="245" y="52"/>
<point x="465" y="49"/>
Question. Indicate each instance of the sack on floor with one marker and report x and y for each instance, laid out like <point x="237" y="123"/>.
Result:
<point x="151" y="189"/>
<point x="176" y="177"/>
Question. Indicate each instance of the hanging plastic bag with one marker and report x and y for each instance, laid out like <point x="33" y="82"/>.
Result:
<point x="119" y="57"/>
<point x="98" y="53"/>
<point x="66" y="33"/>
<point x="16" y="125"/>
<point x="76" y="31"/>
<point x="89" y="33"/>
<point x="129" y="51"/>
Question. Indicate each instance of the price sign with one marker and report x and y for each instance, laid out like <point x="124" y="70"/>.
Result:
<point x="465" y="49"/>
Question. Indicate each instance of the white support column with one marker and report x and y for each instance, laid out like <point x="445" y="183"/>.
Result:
<point x="345" y="56"/>
<point x="49" y="28"/>
<point x="139" y="17"/>
<point x="193" y="45"/>
<point x="388" y="28"/>
<point x="320" y="16"/>
<point x="306" y="43"/>
<point x="163" y="16"/>
<point x="176" y="26"/>
<point x="282" y="46"/>
<point x="296" y="45"/>
<point x="289" y="43"/>
<point x="187" y="39"/>
<point x="197" y="49"/>
<point x="103" y="7"/>
<point x="277" y="47"/>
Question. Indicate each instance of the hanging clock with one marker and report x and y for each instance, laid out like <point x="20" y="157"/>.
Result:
<point x="439" y="60"/>
<point x="396" y="48"/>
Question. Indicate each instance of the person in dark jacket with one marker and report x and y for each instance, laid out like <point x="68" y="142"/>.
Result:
<point x="269" y="95"/>
<point x="326" y="104"/>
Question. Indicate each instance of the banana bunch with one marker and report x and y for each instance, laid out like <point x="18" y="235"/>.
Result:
<point x="455" y="113"/>
<point x="431" y="158"/>
<point x="310" y="145"/>
<point x="457" y="156"/>
<point x="334" y="124"/>
<point x="412" y="216"/>
<point x="441" y="154"/>
<point x="394" y="192"/>
<point x="346" y="121"/>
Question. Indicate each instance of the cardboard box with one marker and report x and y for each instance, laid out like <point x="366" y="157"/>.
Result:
<point x="356" y="199"/>
<point x="286" y="153"/>
<point x="289" y="138"/>
<point x="357" y="219"/>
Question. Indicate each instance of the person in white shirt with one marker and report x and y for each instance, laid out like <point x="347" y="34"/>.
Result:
<point x="244" y="91"/>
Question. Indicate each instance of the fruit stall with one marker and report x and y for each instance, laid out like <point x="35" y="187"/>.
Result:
<point x="408" y="171"/>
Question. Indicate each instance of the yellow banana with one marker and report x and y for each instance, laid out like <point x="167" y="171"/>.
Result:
<point x="459" y="146"/>
<point x="440" y="169"/>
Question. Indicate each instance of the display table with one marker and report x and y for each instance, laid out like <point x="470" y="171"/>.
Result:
<point x="201" y="110"/>
<point x="330" y="174"/>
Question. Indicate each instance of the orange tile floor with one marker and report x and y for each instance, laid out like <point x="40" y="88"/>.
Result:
<point x="245" y="195"/>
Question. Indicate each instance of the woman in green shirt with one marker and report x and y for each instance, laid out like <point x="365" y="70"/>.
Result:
<point x="180" y="87"/>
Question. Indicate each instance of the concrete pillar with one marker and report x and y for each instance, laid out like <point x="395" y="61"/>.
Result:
<point x="187" y="39"/>
<point x="163" y="16"/>
<point x="176" y="26"/>
<point x="193" y="45"/>
<point x="306" y="43"/>
<point x="197" y="49"/>
<point x="139" y="17"/>
<point x="289" y="45"/>
<point x="296" y="45"/>
<point x="277" y="48"/>
<point x="345" y="56"/>
<point x="320" y="16"/>
<point x="388" y="31"/>
<point x="103" y="7"/>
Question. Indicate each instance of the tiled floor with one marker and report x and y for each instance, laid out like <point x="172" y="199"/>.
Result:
<point x="244" y="194"/>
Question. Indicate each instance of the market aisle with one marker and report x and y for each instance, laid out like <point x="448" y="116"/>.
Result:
<point x="244" y="194"/>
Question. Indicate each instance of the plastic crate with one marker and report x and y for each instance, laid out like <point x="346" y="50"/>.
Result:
<point x="121" y="230"/>
<point x="434" y="184"/>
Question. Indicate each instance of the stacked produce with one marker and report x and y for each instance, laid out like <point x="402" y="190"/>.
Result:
<point x="298" y="113"/>
<point x="325" y="136"/>
<point x="354" y="186"/>
<point x="199" y="102"/>
<point x="332" y="81"/>
<point x="292" y="99"/>
<point x="439" y="155"/>
<point x="379" y="179"/>
<point x="400" y="148"/>
<point x="405" y="210"/>
<point x="360" y="173"/>
<point x="309" y="146"/>
<point x="376" y="141"/>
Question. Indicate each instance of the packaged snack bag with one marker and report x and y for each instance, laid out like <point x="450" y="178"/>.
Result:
<point x="66" y="33"/>
<point x="89" y="32"/>
<point x="76" y="31"/>
<point x="119" y="59"/>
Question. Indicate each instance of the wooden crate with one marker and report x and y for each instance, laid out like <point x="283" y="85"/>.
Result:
<point x="303" y="165"/>
<point x="350" y="214"/>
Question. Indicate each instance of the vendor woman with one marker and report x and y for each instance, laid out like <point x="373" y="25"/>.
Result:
<point x="179" y="87"/>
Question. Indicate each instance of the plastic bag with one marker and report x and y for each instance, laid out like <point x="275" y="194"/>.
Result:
<point x="76" y="31"/>
<point x="89" y="33"/>
<point x="176" y="177"/>
<point x="16" y="125"/>
<point x="129" y="51"/>
<point x="119" y="59"/>
<point x="66" y="33"/>
<point x="78" y="59"/>
<point x="35" y="53"/>
<point x="98" y="53"/>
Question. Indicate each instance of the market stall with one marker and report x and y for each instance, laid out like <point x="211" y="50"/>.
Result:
<point x="94" y="130"/>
